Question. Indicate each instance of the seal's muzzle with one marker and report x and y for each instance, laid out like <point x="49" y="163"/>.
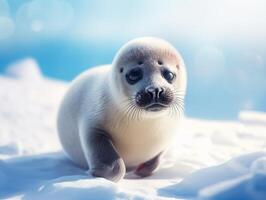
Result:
<point x="154" y="98"/>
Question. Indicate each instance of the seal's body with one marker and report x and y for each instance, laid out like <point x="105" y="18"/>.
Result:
<point x="126" y="114"/>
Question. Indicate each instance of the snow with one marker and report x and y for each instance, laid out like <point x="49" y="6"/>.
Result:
<point x="27" y="69"/>
<point x="210" y="159"/>
<point x="253" y="117"/>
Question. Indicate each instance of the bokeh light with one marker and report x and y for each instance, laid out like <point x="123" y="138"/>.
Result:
<point x="4" y="8"/>
<point x="44" y="15"/>
<point x="7" y="27"/>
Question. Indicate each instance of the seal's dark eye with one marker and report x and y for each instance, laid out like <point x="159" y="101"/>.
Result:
<point x="169" y="76"/>
<point x="160" y="62"/>
<point x="134" y="75"/>
<point x="140" y="62"/>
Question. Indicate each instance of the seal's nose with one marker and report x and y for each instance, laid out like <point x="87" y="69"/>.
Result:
<point x="154" y="92"/>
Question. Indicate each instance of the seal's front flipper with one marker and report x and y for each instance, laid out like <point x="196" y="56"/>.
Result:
<point x="104" y="161"/>
<point x="147" y="168"/>
<point x="113" y="172"/>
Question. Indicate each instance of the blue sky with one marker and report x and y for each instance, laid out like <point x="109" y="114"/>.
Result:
<point x="202" y="20"/>
<point x="85" y="19"/>
<point x="223" y="43"/>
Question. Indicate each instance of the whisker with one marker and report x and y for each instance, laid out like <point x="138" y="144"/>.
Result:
<point x="177" y="107"/>
<point x="132" y="112"/>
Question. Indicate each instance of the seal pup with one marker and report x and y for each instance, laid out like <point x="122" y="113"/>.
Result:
<point x="124" y="115"/>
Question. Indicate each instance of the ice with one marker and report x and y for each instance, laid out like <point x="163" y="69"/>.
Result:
<point x="209" y="160"/>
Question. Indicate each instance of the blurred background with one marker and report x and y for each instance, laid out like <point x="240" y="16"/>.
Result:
<point x="223" y="43"/>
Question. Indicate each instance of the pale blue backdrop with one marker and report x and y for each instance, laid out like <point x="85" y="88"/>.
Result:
<point x="223" y="43"/>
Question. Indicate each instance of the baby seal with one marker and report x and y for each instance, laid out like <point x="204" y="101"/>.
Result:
<point x="124" y="115"/>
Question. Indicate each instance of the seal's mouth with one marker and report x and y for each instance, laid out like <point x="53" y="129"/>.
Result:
<point x="155" y="107"/>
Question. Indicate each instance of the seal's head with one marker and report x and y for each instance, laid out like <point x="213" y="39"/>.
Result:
<point x="149" y="76"/>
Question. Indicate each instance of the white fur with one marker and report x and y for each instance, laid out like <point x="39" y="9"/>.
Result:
<point x="94" y="100"/>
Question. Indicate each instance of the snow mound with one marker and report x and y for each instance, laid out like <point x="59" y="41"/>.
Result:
<point x="27" y="69"/>
<point x="33" y="166"/>
<point x="252" y="117"/>
<point x="259" y="166"/>
<point x="252" y="185"/>
<point x="242" y="178"/>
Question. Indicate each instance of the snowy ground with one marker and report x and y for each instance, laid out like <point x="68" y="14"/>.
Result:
<point x="210" y="160"/>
